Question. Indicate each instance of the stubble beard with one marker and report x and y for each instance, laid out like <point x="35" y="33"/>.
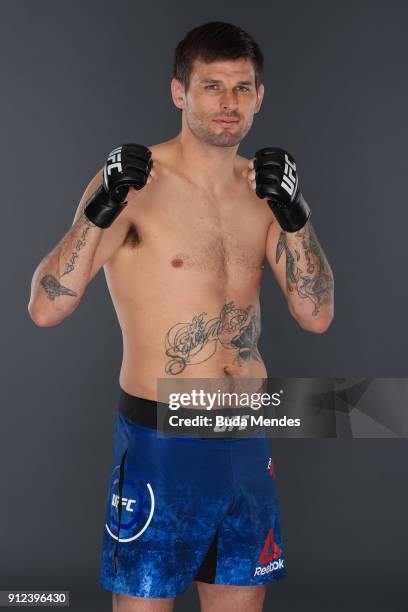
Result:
<point x="202" y="130"/>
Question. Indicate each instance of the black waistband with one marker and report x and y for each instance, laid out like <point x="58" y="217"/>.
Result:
<point x="144" y="412"/>
<point x="138" y="409"/>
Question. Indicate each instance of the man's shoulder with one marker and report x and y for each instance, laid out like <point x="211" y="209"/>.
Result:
<point x="242" y="162"/>
<point x="165" y="159"/>
<point x="163" y="151"/>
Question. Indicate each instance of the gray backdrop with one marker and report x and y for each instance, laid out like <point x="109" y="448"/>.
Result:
<point x="81" y="78"/>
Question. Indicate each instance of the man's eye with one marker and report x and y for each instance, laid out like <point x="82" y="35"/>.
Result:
<point x="241" y="87"/>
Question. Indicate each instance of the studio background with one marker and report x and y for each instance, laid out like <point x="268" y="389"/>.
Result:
<point x="80" y="79"/>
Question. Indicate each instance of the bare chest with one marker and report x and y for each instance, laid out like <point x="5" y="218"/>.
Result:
<point x="187" y="230"/>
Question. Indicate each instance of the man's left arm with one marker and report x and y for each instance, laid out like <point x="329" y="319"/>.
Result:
<point x="292" y="249"/>
<point x="304" y="275"/>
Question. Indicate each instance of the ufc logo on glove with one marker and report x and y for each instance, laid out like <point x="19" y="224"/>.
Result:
<point x="289" y="179"/>
<point x="114" y="161"/>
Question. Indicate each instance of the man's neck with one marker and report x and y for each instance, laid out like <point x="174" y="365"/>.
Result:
<point x="212" y="168"/>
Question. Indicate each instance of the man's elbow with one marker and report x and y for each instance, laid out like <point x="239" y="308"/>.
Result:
<point x="315" y="324"/>
<point x="42" y="318"/>
<point x="319" y="325"/>
<point x="322" y="325"/>
<point x="39" y="317"/>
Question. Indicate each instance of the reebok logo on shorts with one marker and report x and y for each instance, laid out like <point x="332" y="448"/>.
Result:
<point x="270" y="555"/>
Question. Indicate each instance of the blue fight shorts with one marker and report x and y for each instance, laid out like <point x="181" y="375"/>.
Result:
<point x="184" y="509"/>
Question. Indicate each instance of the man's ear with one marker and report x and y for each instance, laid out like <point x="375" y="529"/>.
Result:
<point x="177" y="93"/>
<point x="260" y="94"/>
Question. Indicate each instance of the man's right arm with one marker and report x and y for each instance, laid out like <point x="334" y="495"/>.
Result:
<point x="61" y="278"/>
<point x="99" y="228"/>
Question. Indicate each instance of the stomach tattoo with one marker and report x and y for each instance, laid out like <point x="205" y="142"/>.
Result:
<point x="191" y="343"/>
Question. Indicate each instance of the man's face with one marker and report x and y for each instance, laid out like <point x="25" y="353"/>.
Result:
<point x="222" y="90"/>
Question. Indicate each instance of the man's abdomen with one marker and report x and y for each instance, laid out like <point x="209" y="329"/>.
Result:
<point x="213" y="343"/>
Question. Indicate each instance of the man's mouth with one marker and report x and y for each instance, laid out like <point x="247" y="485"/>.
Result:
<point x="226" y="120"/>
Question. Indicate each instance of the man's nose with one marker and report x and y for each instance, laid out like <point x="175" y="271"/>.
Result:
<point x="229" y="100"/>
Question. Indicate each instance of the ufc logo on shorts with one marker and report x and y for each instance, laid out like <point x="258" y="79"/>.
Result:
<point x="114" y="160"/>
<point x="127" y="503"/>
<point x="289" y="179"/>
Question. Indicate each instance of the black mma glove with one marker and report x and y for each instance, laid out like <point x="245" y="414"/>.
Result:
<point x="277" y="180"/>
<point x="127" y="166"/>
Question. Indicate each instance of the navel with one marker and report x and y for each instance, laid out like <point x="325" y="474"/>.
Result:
<point x="227" y="371"/>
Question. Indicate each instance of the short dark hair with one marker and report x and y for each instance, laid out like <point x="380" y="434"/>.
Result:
<point x="215" y="41"/>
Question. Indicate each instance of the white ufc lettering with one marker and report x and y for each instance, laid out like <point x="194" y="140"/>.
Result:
<point x="128" y="503"/>
<point x="289" y="179"/>
<point x="114" y="160"/>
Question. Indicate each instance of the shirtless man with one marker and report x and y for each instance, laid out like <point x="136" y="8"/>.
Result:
<point x="185" y="255"/>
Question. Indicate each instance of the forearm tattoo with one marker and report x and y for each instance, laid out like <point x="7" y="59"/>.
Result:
<point x="192" y="343"/>
<point x="79" y="244"/>
<point x="315" y="283"/>
<point x="50" y="283"/>
<point x="53" y="287"/>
